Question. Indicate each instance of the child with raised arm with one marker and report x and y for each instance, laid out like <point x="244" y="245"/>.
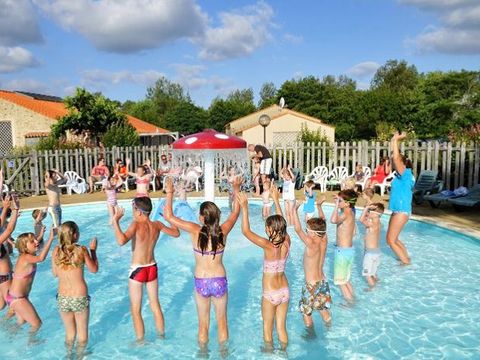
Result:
<point x="371" y="219"/>
<point x="23" y="276"/>
<point x="68" y="262"/>
<point x="53" y="178"/>
<point x="367" y="195"/>
<point x="288" y="194"/>
<point x="209" y="239"/>
<point x="142" y="178"/>
<point x="111" y="185"/>
<point x="309" y="205"/>
<point x="144" y="235"/>
<point x="276" y="248"/>
<point x="343" y="216"/>
<point x="38" y="228"/>
<point x="316" y="291"/>
<point x="5" y="250"/>
<point x="266" y="209"/>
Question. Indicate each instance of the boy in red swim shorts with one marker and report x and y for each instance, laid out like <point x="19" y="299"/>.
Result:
<point x="144" y="234"/>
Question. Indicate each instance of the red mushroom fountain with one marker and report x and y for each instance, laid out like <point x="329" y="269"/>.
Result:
<point x="207" y="146"/>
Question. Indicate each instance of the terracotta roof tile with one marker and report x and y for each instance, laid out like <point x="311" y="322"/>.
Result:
<point x="56" y="110"/>
<point x="35" y="134"/>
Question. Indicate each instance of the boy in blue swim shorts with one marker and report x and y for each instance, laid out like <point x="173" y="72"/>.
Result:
<point x="344" y="217"/>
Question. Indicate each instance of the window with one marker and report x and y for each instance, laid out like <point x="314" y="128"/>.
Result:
<point x="6" y="138"/>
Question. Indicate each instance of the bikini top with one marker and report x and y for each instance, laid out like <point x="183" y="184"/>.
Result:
<point x="275" y="266"/>
<point x="209" y="252"/>
<point x="26" y="276"/>
<point x="142" y="181"/>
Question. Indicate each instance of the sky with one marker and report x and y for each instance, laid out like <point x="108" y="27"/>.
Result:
<point x="211" y="47"/>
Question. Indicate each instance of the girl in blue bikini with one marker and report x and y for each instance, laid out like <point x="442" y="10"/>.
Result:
<point x="208" y="240"/>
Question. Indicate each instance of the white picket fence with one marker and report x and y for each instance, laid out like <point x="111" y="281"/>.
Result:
<point x="457" y="164"/>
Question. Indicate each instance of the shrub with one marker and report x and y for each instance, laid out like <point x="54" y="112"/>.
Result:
<point x="122" y="134"/>
<point x="312" y="136"/>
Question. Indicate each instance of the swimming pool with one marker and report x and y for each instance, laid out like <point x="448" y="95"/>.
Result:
<point x="427" y="310"/>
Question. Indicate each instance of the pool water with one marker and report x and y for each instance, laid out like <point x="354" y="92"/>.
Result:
<point x="427" y="310"/>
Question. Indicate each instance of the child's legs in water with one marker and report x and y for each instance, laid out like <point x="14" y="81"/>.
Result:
<point x="3" y="292"/>
<point x="371" y="280"/>
<point x="135" y="289"/>
<point x="281" y="323"/>
<point x="395" y="226"/>
<point x="152" y="291"/>
<point x="81" y="320"/>
<point x="203" y="312"/>
<point x="268" y="316"/>
<point x="68" y="319"/>
<point x="220" y="305"/>
<point x="347" y="291"/>
<point x="326" y="316"/>
<point x="308" y="320"/>
<point x="26" y="312"/>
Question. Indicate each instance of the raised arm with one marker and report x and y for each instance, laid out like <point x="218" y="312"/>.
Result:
<point x="122" y="237"/>
<point x="321" y="214"/>
<point x="364" y="217"/>
<point x="297" y="225"/>
<point x="5" y="207"/>
<point x="397" y="157"/>
<point x="276" y="200"/>
<point x="34" y="259"/>
<point x="232" y="219"/>
<point x="168" y="215"/>
<point x="11" y="225"/>
<point x="1" y="180"/>
<point x="249" y="234"/>
<point x="336" y="218"/>
<point x="91" y="257"/>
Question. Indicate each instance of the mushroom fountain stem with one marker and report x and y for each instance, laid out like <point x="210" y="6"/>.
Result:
<point x="209" y="176"/>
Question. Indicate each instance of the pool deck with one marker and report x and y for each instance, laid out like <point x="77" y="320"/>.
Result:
<point x="467" y="222"/>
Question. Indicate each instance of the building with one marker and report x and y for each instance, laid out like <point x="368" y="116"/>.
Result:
<point x="284" y="127"/>
<point x="26" y="117"/>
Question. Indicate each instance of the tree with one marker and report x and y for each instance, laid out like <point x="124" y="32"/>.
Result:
<point x="88" y="113"/>
<point x="268" y="95"/>
<point x="122" y="134"/>
<point x="237" y="104"/>
<point x="144" y="110"/>
<point x="396" y="76"/>
<point x="186" y="118"/>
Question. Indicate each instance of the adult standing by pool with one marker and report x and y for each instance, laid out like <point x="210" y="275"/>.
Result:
<point x="400" y="198"/>
<point x="262" y="153"/>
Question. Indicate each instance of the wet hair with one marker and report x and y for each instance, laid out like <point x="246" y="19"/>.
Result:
<point x="22" y="241"/>
<point x="369" y="192"/>
<point x="37" y="212"/>
<point x="317" y="224"/>
<point x="278" y="227"/>
<point x="349" y="196"/>
<point x="69" y="254"/>
<point x="144" y="204"/>
<point x="378" y="207"/>
<point x="309" y="183"/>
<point x="211" y="229"/>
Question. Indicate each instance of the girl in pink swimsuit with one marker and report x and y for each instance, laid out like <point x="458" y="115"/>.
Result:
<point x="23" y="275"/>
<point x="111" y="186"/>
<point x="142" y="178"/>
<point x="275" y="284"/>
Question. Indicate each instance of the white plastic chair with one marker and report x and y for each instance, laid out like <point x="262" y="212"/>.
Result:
<point x="191" y="176"/>
<point x="386" y="183"/>
<point x="319" y="176"/>
<point x="367" y="175"/>
<point x="152" y="182"/>
<point x="5" y="188"/>
<point x="336" y="176"/>
<point x="74" y="182"/>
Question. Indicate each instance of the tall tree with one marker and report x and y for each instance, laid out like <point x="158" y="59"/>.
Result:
<point x="186" y="118"/>
<point x="268" y="95"/>
<point x="396" y="76"/>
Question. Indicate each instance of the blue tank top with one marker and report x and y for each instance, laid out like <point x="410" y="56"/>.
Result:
<point x="309" y="206"/>
<point x="402" y="192"/>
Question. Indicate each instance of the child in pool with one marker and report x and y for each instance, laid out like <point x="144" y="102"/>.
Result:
<point x="111" y="185"/>
<point x="5" y="250"/>
<point x="288" y="194"/>
<point x="276" y="247"/>
<point x="53" y="178"/>
<point x="142" y="176"/>
<point x="68" y="262"/>
<point x="316" y="291"/>
<point x="23" y="276"/>
<point x="309" y="205"/>
<point x="367" y="195"/>
<point x="266" y="199"/>
<point x="38" y="228"/>
<point x="144" y="235"/>
<point x="343" y="216"/>
<point x="371" y="219"/>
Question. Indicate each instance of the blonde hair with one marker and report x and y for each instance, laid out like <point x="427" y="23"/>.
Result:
<point x="22" y="241"/>
<point x="69" y="254"/>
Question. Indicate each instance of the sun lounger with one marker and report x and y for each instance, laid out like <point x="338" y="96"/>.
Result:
<point x="470" y="200"/>
<point x="426" y="184"/>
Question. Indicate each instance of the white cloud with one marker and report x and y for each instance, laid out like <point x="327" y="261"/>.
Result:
<point x="192" y="78"/>
<point x="15" y="58"/>
<point x="241" y="32"/>
<point x="293" y="39"/>
<point x="29" y="85"/>
<point x="127" y="26"/>
<point x="18" y="23"/>
<point x="363" y="69"/>
<point x="458" y="31"/>
<point x="98" y="78"/>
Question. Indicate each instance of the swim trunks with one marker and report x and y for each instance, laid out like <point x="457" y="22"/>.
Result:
<point x="215" y="286"/>
<point x="315" y="296"/>
<point x="342" y="265"/>
<point x="371" y="260"/>
<point x="72" y="304"/>
<point x="143" y="273"/>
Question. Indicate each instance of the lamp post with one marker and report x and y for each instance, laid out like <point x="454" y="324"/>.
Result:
<point x="264" y="120"/>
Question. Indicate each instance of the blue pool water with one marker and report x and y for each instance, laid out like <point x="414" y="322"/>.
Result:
<point x="427" y="310"/>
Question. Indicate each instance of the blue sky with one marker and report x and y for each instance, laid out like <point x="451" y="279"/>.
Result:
<point x="211" y="47"/>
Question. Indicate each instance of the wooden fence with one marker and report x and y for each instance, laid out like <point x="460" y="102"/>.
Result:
<point x="457" y="164"/>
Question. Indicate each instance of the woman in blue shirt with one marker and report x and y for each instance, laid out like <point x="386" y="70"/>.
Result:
<point x="400" y="199"/>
